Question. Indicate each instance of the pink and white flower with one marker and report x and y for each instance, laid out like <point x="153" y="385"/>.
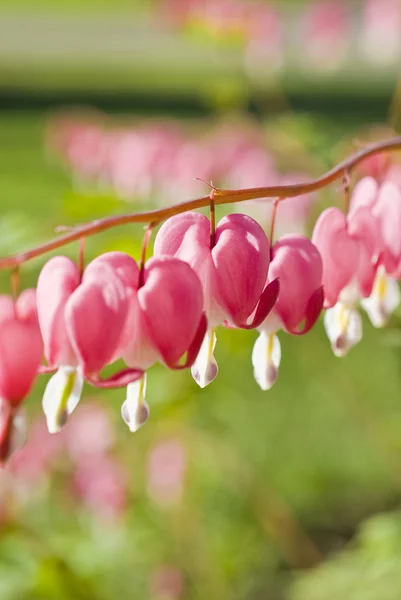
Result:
<point x="82" y="323"/>
<point x="297" y="264"/>
<point x="233" y="273"/>
<point x="349" y="248"/>
<point x="384" y="203"/>
<point x="21" y="351"/>
<point x="165" y="321"/>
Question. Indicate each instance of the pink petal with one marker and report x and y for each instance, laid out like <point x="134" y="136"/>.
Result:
<point x="26" y="306"/>
<point x="340" y="253"/>
<point x="193" y="348"/>
<point x="363" y="227"/>
<point x="122" y="264"/>
<point x="57" y="281"/>
<point x="187" y="237"/>
<point x="7" y="308"/>
<point x="266" y="304"/>
<point x="183" y="235"/>
<point x="20" y="355"/>
<point x="312" y="312"/>
<point x="95" y="316"/>
<point x="117" y="380"/>
<point x="364" y="194"/>
<point x="298" y="265"/>
<point x="126" y="269"/>
<point x="241" y="257"/>
<point x="387" y="211"/>
<point x="171" y="301"/>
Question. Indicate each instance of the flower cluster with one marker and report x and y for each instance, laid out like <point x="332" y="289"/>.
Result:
<point x="155" y="160"/>
<point x="325" y="30"/>
<point x="202" y="276"/>
<point x="142" y="161"/>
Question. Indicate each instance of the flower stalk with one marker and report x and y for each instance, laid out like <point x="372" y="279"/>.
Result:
<point x="220" y="197"/>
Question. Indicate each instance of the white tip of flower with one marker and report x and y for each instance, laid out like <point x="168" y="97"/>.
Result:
<point x="62" y="394"/>
<point x="205" y="368"/>
<point x="135" y="410"/>
<point x="384" y="299"/>
<point x="266" y="357"/>
<point x="343" y="326"/>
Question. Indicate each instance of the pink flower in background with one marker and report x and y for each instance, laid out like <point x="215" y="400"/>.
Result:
<point x="292" y="215"/>
<point x="90" y="432"/>
<point x="82" y="324"/>
<point x="21" y="351"/>
<point x="80" y="142"/>
<point x="349" y="247"/>
<point x="297" y="264"/>
<point x="166" y="583"/>
<point x="233" y="274"/>
<point x="34" y="462"/>
<point x="167" y="465"/>
<point x="380" y="32"/>
<point x="252" y="168"/>
<point x="325" y="34"/>
<point x="80" y="455"/>
<point x="265" y="36"/>
<point x="384" y="203"/>
<point x="101" y="482"/>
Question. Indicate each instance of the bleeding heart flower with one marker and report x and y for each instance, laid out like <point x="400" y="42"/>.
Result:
<point x="296" y="262"/>
<point x="384" y="203"/>
<point x="349" y="247"/>
<point x="166" y="323"/>
<point x="233" y="274"/>
<point x="82" y="324"/>
<point x="21" y="351"/>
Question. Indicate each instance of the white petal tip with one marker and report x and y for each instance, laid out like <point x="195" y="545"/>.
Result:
<point x="340" y="347"/>
<point x="137" y="417"/>
<point x="267" y="379"/>
<point x="266" y="358"/>
<point x="62" y="394"/>
<point x="207" y="376"/>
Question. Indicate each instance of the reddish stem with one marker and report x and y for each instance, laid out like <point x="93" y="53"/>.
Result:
<point x="212" y="220"/>
<point x="145" y="244"/>
<point x="220" y="197"/>
<point x="276" y="202"/>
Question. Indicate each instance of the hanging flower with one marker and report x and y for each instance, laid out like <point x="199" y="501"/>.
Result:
<point x="233" y="274"/>
<point x="296" y="262"/>
<point x="165" y="321"/>
<point x="384" y="203"/>
<point x="349" y="247"/>
<point x="82" y="323"/>
<point x="21" y="351"/>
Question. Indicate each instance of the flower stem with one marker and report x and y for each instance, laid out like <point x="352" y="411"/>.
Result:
<point x="220" y="197"/>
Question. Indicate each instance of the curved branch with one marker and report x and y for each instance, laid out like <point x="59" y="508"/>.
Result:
<point x="220" y="197"/>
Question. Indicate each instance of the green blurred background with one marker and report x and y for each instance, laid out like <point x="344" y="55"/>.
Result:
<point x="227" y="492"/>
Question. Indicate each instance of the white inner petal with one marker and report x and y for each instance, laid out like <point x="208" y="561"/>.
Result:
<point x="350" y="295"/>
<point x="266" y="357"/>
<point x="343" y="326"/>
<point x="62" y="394"/>
<point x="135" y="410"/>
<point x="384" y="299"/>
<point x="205" y="369"/>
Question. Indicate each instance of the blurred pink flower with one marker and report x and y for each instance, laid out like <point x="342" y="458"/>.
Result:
<point x="89" y="432"/>
<point x="380" y="39"/>
<point x="101" y="482"/>
<point x="34" y="462"/>
<point x="167" y="465"/>
<point x="325" y="34"/>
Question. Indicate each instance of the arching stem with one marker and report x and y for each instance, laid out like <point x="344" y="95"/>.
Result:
<point x="220" y="197"/>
